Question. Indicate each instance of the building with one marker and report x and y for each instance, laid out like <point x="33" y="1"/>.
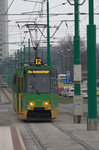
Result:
<point x="3" y="30"/>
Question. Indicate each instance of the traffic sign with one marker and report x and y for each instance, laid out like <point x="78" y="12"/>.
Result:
<point x="68" y="77"/>
<point x="70" y="81"/>
<point x="68" y="72"/>
<point x="67" y="81"/>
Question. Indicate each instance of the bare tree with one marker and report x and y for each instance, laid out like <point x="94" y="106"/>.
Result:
<point x="67" y="47"/>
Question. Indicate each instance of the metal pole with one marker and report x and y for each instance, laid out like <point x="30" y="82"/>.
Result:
<point x="15" y="60"/>
<point x="48" y="35"/>
<point x="18" y="58"/>
<point x="21" y="56"/>
<point x="77" y="68"/>
<point x="24" y="54"/>
<point x="29" y="49"/>
<point x="91" y="65"/>
<point x="36" y="41"/>
<point x="36" y="51"/>
<point x="77" y="44"/>
<point x="10" y="72"/>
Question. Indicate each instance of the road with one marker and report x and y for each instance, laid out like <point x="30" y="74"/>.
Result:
<point x="56" y="135"/>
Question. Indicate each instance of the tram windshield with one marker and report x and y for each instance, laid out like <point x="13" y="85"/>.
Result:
<point x="38" y="83"/>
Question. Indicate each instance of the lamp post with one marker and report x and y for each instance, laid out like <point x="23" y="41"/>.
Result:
<point x="91" y="65"/>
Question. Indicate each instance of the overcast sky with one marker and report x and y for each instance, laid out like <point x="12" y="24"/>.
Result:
<point x="20" y="6"/>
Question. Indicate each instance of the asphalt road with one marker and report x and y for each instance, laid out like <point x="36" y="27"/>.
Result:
<point x="60" y="134"/>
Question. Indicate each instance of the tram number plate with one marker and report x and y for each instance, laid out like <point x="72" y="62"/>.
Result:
<point x="38" y="61"/>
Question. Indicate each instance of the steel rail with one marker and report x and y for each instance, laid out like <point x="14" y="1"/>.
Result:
<point x="73" y="137"/>
<point x="10" y="101"/>
<point x="34" y="137"/>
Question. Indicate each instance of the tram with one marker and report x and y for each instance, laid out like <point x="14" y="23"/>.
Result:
<point x="35" y="92"/>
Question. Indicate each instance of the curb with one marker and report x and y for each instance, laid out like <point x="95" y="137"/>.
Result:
<point x="17" y="139"/>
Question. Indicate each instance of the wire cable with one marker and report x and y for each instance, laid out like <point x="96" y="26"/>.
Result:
<point x="9" y="7"/>
<point x="29" y="19"/>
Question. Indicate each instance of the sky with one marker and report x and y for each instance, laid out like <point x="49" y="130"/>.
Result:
<point x="17" y="31"/>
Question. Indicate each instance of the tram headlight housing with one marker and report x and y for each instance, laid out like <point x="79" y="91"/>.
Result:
<point x="46" y="103"/>
<point x="31" y="105"/>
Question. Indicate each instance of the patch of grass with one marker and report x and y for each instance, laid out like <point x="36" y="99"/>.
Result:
<point x="65" y="100"/>
<point x="85" y="101"/>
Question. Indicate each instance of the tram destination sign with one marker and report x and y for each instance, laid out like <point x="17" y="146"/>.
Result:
<point x="38" y="71"/>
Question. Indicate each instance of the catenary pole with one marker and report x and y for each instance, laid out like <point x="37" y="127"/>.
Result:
<point x="91" y="67"/>
<point x="76" y="44"/>
<point x="77" y="67"/>
<point x="77" y="99"/>
<point x="24" y="54"/>
<point x="29" y="50"/>
<point x="21" y="56"/>
<point x="48" y="36"/>
<point x="15" y="60"/>
<point x="18" y="58"/>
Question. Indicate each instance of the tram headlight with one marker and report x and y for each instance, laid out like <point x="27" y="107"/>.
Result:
<point x="31" y="105"/>
<point x="45" y="103"/>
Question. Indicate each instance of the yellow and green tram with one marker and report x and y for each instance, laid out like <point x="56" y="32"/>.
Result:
<point x="35" y="93"/>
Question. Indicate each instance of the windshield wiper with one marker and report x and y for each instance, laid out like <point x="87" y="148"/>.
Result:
<point x="35" y="90"/>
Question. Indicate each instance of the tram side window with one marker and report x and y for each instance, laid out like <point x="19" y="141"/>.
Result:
<point x="25" y="84"/>
<point x="54" y="85"/>
<point x="54" y="81"/>
<point x="20" y="84"/>
<point x="14" y="79"/>
<point x="14" y="83"/>
<point x="54" y="73"/>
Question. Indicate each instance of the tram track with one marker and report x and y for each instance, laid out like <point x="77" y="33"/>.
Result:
<point x="6" y="95"/>
<point x="73" y="137"/>
<point x="35" y="139"/>
<point x="40" y="146"/>
<point x="32" y="136"/>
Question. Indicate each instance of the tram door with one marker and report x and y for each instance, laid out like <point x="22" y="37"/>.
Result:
<point x="20" y="94"/>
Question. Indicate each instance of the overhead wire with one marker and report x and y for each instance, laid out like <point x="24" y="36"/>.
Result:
<point x="87" y="14"/>
<point x="29" y="19"/>
<point x="44" y="11"/>
<point x="9" y="7"/>
<point x="64" y="13"/>
<point x="49" y="8"/>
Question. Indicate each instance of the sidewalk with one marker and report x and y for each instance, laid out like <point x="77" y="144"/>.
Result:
<point x="10" y="139"/>
<point x="79" y="133"/>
